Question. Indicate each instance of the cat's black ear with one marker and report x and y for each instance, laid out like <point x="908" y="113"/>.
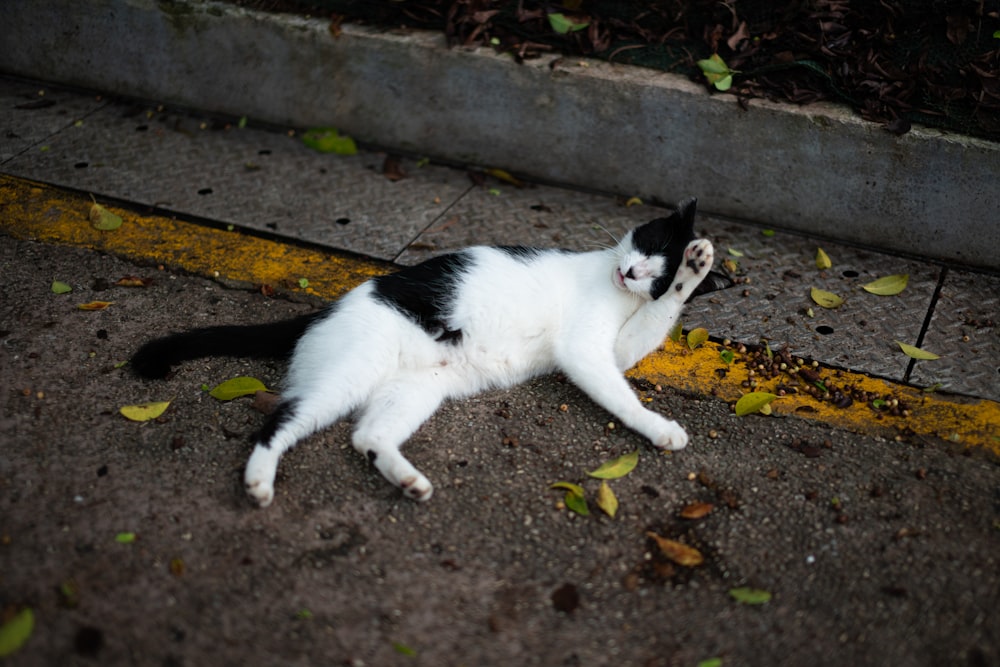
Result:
<point x="687" y="209"/>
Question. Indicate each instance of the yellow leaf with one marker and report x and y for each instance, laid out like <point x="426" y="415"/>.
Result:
<point x="675" y="333"/>
<point x="696" y="510"/>
<point x="618" y="467"/>
<point x="888" y="285"/>
<point x="753" y="402"/>
<point x="680" y="553"/>
<point x="143" y="412"/>
<point x="633" y="201"/>
<point x="822" y="260"/>
<point x="606" y="500"/>
<point x="916" y="352"/>
<point x="95" y="305"/>
<point x="824" y="298"/>
<point x="697" y="337"/>
<point x="506" y="177"/>
<point x="236" y="387"/>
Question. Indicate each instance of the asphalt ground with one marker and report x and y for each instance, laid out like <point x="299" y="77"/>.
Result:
<point x="874" y="534"/>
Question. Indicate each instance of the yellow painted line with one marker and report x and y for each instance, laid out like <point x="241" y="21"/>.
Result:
<point x="35" y="211"/>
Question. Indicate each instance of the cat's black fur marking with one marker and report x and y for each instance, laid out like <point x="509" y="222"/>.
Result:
<point x="282" y="414"/>
<point x="424" y="292"/>
<point x="275" y="340"/>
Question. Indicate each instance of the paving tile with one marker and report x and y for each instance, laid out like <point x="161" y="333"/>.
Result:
<point x="256" y="178"/>
<point x="965" y="331"/>
<point x="28" y="119"/>
<point x="776" y="303"/>
<point x="500" y="214"/>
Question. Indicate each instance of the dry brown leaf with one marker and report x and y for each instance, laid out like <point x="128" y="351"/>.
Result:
<point x="678" y="552"/>
<point x="696" y="510"/>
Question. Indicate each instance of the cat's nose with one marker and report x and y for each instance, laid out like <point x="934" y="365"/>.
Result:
<point x="630" y="275"/>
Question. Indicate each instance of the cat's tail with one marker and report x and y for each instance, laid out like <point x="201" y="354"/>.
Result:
<point x="268" y="341"/>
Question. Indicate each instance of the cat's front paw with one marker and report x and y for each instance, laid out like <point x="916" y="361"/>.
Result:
<point x="417" y="487"/>
<point x="698" y="258"/>
<point x="672" y="436"/>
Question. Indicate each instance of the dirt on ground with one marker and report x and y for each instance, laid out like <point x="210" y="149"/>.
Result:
<point x="133" y="543"/>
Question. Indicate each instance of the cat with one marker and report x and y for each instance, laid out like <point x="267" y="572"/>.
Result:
<point x="394" y="348"/>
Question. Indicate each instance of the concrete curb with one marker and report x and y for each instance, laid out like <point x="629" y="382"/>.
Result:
<point x="816" y="169"/>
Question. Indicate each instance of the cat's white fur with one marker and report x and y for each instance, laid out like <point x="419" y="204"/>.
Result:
<point x="588" y="315"/>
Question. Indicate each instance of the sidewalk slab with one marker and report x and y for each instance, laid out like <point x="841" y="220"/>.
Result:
<point x="591" y="124"/>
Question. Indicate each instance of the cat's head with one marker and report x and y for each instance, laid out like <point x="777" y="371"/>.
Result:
<point x="649" y="255"/>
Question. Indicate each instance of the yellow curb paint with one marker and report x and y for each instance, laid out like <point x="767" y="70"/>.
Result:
<point x="44" y="213"/>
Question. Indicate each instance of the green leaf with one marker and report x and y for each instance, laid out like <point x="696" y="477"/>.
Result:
<point x="242" y="122"/>
<point x="303" y="614"/>
<point x="697" y="337"/>
<point x="403" y="649"/>
<point x="734" y="252"/>
<point x="618" y="467"/>
<point x="574" y="498"/>
<point x="59" y="287"/>
<point x="822" y="260"/>
<point x="746" y="595"/>
<point x="563" y="24"/>
<point x="125" y="538"/>
<point x="16" y="631"/>
<point x="767" y="232"/>
<point x="606" y="499"/>
<point x="103" y="219"/>
<point x="711" y="662"/>
<point x="997" y="34"/>
<point x="888" y="286"/>
<point x="825" y="299"/>
<point x="713" y="65"/>
<point x="916" y="353"/>
<point x="724" y="84"/>
<point x="727" y="356"/>
<point x="236" y="387"/>
<point x="328" y="140"/>
<point x="676" y="332"/>
<point x="303" y="283"/>
<point x="753" y="402"/>
<point x="143" y="412"/>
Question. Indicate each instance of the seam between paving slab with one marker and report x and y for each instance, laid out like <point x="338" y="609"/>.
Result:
<point x="50" y="215"/>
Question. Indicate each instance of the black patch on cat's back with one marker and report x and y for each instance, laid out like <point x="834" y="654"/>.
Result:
<point x="424" y="293"/>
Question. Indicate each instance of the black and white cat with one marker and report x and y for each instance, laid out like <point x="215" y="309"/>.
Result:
<point x="396" y="346"/>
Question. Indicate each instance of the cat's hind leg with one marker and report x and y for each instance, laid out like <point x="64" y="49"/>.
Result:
<point x="389" y="418"/>
<point x="293" y="420"/>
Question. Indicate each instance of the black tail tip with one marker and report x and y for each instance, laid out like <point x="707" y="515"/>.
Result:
<point x="149" y="362"/>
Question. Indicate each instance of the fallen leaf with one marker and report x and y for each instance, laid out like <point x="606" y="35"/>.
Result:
<point x="133" y="281"/>
<point x="176" y="567"/>
<point x="618" y="467"/>
<point x="16" y="631"/>
<point x="59" y="287"/>
<point x="633" y="201"/>
<point x="574" y="498"/>
<point x="305" y="614"/>
<point x="696" y="510"/>
<point x="95" y="305"/>
<point x="711" y="662"/>
<point x="727" y="356"/>
<point x="888" y="285"/>
<point x="746" y="595"/>
<point x="697" y="337"/>
<point x="676" y="333"/>
<point x="103" y="219"/>
<point x="329" y="140"/>
<point x="734" y="252"/>
<point x="403" y="649"/>
<point x="678" y="552"/>
<point x="716" y="72"/>
<point x="824" y="298"/>
<point x="69" y="594"/>
<point x="753" y="402"/>
<point x="562" y="24"/>
<point x="125" y="538"/>
<point x="606" y="500"/>
<point x="392" y="168"/>
<point x="143" y="412"/>
<point x="505" y="176"/>
<point x="303" y="283"/>
<point x="822" y="260"/>
<point x="767" y="232"/>
<point x="916" y="352"/>
<point x="236" y="387"/>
